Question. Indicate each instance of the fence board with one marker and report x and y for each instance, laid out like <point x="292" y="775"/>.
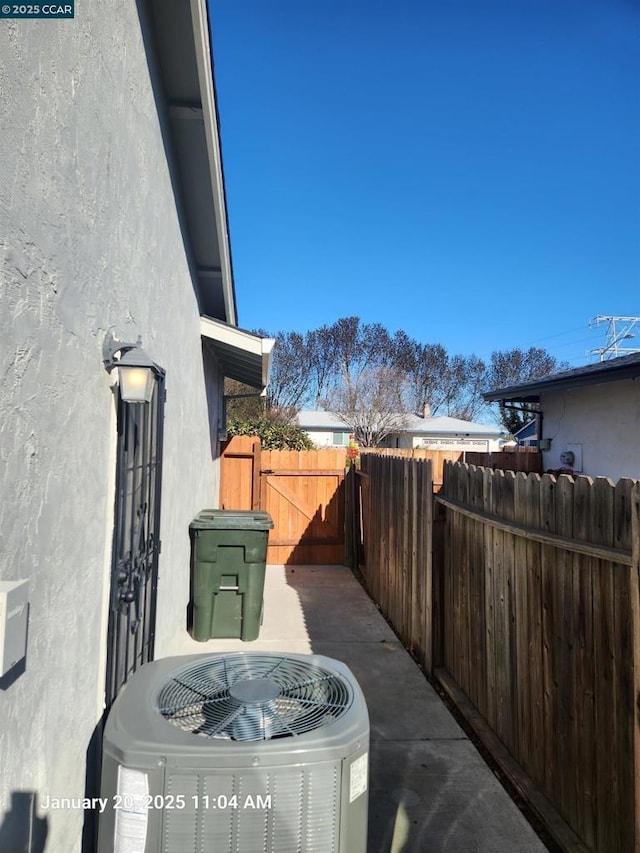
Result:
<point x="585" y="781"/>
<point x="564" y="660"/>
<point x="624" y="603"/>
<point x="522" y="628"/>
<point x="602" y="532"/>
<point x="240" y="473"/>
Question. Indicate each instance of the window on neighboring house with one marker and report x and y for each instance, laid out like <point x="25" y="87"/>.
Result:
<point x="340" y="439"/>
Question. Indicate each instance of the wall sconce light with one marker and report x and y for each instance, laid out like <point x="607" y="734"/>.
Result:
<point x="135" y="369"/>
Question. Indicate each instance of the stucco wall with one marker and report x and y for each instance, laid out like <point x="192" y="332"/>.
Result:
<point x="604" y="419"/>
<point x="90" y="240"/>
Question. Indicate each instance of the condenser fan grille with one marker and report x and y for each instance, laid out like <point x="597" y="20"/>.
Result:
<point x="253" y="697"/>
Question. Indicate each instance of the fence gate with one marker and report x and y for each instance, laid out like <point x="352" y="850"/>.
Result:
<point x="302" y="490"/>
<point x="136" y="538"/>
<point x="306" y="502"/>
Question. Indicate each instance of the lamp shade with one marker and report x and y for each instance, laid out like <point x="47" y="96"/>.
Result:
<point x="136" y="376"/>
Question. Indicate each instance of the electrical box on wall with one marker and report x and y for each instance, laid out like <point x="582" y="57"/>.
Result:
<point x="14" y="608"/>
<point x="576" y="450"/>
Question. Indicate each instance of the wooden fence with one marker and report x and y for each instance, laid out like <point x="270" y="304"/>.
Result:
<point x="520" y="593"/>
<point x="389" y="506"/>
<point x="540" y="630"/>
<point x="528" y="459"/>
<point x="436" y="457"/>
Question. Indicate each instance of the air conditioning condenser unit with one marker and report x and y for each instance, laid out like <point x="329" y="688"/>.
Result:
<point x="243" y="752"/>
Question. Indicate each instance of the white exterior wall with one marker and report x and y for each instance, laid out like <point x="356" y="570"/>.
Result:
<point x="322" y="438"/>
<point x="480" y="444"/>
<point x="477" y="444"/>
<point x="90" y="239"/>
<point x="604" y="419"/>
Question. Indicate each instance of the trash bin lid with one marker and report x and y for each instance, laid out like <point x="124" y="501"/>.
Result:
<point x="232" y="519"/>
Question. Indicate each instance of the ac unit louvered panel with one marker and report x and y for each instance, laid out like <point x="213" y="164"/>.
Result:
<point x="217" y="826"/>
<point x="179" y="823"/>
<point x="253" y="827"/>
<point x="303" y="816"/>
<point x="286" y="822"/>
<point x="322" y="809"/>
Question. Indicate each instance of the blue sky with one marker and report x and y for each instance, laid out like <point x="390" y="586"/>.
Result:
<point x="465" y="170"/>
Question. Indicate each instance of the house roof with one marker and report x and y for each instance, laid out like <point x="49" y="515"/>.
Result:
<point x="312" y="419"/>
<point x="455" y="426"/>
<point x="241" y="355"/>
<point x="188" y="101"/>
<point x="319" y="420"/>
<point x="612" y="370"/>
<point x="531" y="426"/>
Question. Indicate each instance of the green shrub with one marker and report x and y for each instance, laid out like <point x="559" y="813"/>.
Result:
<point x="274" y="435"/>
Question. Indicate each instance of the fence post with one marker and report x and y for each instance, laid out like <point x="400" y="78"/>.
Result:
<point x="256" y="497"/>
<point x="634" y="590"/>
<point x="351" y="507"/>
<point x="437" y="576"/>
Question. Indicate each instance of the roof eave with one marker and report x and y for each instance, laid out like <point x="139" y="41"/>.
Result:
<point x="185" y="89"/>
<point x="529" y="392"/>
<point x="204" y="60"/>
<point x="241" y="355"/>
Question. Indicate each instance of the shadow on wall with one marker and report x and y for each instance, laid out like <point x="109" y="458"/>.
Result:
<point x="92" y="787"/>
<point x="22" y="831"/>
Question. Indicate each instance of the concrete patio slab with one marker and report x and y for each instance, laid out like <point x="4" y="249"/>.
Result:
<point x="342" y="614"/>
<point x="383" y="671"/>
<point x="335" y="576"/>
<point x="441" y="796"/>
<point x="429" y="789"/>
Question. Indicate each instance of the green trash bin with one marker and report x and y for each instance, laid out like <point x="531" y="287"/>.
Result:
<point x="229" y="550"/>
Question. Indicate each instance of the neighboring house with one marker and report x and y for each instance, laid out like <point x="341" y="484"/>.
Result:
<point x="589" y="417"/>
<point x="113" y="221"/>
<point x="527" y="435"/>
<point x="445" y="433"/>
<point x="326" y="429"/>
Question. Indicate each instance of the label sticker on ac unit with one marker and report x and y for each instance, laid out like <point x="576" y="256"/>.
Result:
<point x="358" y="778"/>
<point x="130" y="806"/>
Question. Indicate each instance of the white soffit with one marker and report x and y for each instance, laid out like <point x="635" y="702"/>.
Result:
<point x="242" y="355"/>
<point x="210" y="115"/>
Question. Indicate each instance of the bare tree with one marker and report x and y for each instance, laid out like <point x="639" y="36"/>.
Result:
<point x="322" y="356"/>
<point x="290" y="371"/>
<point x="450" y="385"/>
<point x="464" y="381"/>
<point x="467" y="403"/>
<point x="347" y="363"/>
<point x="368" y="406"/>
<point x="359" y="347"/>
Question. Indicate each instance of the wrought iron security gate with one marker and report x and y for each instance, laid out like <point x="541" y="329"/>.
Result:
<point x="136" y="538"/>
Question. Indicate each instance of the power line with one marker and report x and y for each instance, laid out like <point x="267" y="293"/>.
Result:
<point x="556" y="335"/>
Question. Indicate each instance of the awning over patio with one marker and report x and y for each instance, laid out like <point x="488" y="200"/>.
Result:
<point x="242" y="355"/>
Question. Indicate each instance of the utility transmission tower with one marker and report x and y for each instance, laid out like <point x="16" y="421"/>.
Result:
<point x="619" y="329"/>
